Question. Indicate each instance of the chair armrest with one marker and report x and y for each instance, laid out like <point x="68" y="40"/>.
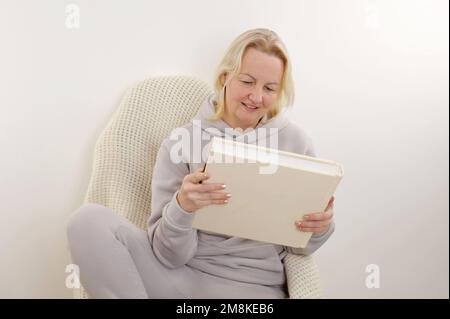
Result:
<point x="302" y="277"/>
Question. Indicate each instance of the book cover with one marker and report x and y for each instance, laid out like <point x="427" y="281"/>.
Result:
<point x="270" y="190"/>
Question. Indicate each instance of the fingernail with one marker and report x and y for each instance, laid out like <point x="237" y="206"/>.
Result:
<point x="299" y="224"/>
<point x="306" y="216"/>
<point x="224" y="186"/>
<point x="228" y="195"/>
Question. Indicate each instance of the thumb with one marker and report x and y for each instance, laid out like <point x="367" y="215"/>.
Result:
<point x="330" y="203"/>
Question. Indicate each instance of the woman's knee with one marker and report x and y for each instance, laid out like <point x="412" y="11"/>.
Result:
<point x="87" y="218"/>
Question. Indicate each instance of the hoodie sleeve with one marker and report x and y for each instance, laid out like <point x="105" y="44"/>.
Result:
<point x="316" y="240"/>
<point x="170" y="231"/>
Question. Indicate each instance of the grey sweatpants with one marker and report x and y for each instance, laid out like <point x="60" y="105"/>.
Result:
<point x="116" y="260"/>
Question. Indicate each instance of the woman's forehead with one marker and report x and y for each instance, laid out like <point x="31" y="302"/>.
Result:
<point x="259" y="64"/>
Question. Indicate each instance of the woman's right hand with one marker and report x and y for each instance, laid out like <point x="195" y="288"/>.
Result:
<point x="194" y="195"/>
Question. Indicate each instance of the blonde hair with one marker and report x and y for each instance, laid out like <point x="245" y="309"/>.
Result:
<point x="266" y="41"/>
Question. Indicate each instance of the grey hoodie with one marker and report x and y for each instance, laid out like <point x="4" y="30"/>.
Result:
<point x="174" y="241"/>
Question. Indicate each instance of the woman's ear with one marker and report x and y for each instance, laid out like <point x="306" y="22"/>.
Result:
<point x="223" y="78"/>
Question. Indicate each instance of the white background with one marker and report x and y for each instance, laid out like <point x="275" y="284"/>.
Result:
<point x="371" y="89"/>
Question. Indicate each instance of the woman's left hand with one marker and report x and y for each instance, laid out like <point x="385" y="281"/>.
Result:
<point x="317" y="222"/>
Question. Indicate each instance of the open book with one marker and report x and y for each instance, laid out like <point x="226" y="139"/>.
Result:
<point x="270" y="190"/>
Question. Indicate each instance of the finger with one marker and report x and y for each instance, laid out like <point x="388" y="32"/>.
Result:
<point x="210" y="196"/>
<point x="310" y="228"/>
<point x="319" y="216"/>
<point x="208" y="187"/>
<point x="314" y="224"/>
<point x="330" y="203"/>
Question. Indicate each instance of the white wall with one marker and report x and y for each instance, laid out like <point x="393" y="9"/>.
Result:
<point x="372" y="91"/>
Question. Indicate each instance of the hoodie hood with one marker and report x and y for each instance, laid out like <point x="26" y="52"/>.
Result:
<point x="222" y="129"/>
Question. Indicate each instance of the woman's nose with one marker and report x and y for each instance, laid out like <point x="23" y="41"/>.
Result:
<point x="256" y="96"/>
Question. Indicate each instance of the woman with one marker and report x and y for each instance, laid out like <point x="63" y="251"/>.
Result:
<point x="173" y="260"/>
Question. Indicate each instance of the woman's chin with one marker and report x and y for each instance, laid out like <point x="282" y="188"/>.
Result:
<point x="246" y="123"/>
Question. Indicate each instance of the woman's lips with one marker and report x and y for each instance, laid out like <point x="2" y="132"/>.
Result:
<point x="249" y="108"/>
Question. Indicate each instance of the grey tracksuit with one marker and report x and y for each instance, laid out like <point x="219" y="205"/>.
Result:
<point x="171" y="259"/>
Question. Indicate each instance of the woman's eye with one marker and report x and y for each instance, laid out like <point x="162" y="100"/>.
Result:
<point x="270" y="89"/>
<point x="246" y="82"/>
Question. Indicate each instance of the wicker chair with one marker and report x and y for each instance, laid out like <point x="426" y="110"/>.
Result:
<point x="126" y="152"/>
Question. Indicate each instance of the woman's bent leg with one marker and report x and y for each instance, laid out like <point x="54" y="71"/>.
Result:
<point x="115" y="257"/>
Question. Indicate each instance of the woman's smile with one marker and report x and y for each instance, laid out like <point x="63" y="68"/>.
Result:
<point x="248" y="108"/>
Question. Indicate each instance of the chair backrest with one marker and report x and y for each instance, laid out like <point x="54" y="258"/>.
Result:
<point x="126" y="150"/>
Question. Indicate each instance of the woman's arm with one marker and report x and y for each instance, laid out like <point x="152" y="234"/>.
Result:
<point x="170" y="231"/>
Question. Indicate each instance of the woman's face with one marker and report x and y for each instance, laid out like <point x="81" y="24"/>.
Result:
<point x="253" y="92"/>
